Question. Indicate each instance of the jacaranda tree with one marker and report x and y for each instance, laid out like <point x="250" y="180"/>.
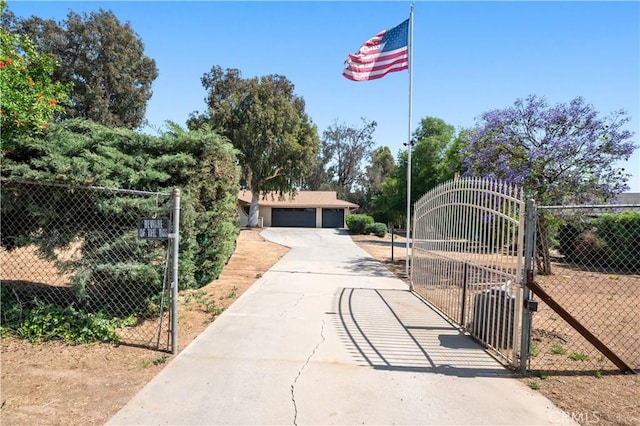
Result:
<point x="565" y="153"/>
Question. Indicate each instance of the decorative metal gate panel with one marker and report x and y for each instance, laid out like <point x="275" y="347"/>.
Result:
<point x="468" y="258"/>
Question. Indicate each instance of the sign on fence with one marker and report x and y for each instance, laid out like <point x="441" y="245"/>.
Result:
<point x="153" y="228"/>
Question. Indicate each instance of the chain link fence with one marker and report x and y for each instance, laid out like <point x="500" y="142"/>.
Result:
<point x="86" y="249"/>
<point x="588" y="262"/>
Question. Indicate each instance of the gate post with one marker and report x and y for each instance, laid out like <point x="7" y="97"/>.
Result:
<point x="529" y="253"/>
<point x="175" y="236"/>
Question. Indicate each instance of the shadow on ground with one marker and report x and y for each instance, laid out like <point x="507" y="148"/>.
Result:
<point x="395" y="330"/>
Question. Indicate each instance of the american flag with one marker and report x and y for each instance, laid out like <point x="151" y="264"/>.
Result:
<point x="383" y="53"/>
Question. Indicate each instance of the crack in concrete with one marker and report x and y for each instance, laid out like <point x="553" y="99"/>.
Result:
<point x="293" y="307"/>
<point x="293" y="385"/>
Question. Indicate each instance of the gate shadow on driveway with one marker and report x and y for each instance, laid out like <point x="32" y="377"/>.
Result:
<point x="394" y="330"/>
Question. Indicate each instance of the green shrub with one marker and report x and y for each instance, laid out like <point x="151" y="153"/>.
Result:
<point x="40" y="322"/>
<point x="378" y="229"/>
<point x="117" y="278"/>
<point x="621" y="233"/>
<point x="610" y="240"/>
<point x="357" y="223"/>
<point x="50" y="322"/>
<point x="202" y="164"/>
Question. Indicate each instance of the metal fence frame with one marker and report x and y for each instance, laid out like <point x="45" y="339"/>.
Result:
<point x="473" y="251"/>
<point x="14" y="270"/>
<point x="457" y="268"/>
<point x="467" y="259"/>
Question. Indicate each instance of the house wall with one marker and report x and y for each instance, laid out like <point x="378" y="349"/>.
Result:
<point x="265" y="213"/>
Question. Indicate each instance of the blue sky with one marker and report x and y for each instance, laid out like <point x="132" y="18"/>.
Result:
<point x="469" y="57"/>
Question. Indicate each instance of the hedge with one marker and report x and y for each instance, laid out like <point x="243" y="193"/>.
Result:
<point x="378" y="229"/>
<point x="202" y="164"/>
<point x="609" y="240"/>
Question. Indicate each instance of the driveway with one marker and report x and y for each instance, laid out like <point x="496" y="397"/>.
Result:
<point x="329" y="336"/>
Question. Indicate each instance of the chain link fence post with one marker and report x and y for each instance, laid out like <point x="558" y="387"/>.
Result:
<point x="175" y="236"/>
<point x="529" y="251"/>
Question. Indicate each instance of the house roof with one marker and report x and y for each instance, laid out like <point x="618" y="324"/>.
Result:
<point x="628" y="198"/>
<point x="327" y="199"/>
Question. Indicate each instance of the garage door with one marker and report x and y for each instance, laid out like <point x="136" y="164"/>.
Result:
<point x="332" y="218"/>
<point x="297" y="218"/>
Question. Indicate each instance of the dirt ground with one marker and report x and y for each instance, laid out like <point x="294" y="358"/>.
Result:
<point x="56" y="384"/>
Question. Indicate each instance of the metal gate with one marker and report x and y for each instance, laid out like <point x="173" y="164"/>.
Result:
<point x="468" y="258"/>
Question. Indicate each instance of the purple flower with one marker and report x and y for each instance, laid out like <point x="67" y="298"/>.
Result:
<point x="561" y="153"/>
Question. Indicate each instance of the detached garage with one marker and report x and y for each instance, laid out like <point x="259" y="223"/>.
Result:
<point x="305" y="209"/>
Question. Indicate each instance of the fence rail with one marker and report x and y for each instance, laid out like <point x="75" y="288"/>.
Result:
<point x="79" y="248"/>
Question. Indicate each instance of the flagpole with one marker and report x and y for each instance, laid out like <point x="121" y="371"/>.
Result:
<point x="409" y="144"/>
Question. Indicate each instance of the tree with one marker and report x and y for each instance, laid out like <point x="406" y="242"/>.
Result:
<point x="78" y="153"/>
<point x="434" y="160"/>
<point x="320" y="179"/>
<point x="382" y="165"/>
<point x="267" y="123"/>
<point x="452" y="160"/>
<point x="29" y="97"/>
<point x="346" y="148"/>
<point x="433" y="137"/>
<point x="387" y="206"/>
<point x="566" y="153"/>
<point x="103" y="59"/>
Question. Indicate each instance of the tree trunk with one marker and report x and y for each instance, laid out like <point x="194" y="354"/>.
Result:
<point x="253" y="211"/>
<point x="543" y="257"/>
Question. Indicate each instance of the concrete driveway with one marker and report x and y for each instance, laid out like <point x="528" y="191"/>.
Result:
<point x="329" y="336"/>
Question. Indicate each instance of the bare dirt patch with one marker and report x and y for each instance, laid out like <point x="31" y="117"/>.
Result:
<point x="56" y="384"/>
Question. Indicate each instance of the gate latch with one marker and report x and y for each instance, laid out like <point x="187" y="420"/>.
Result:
<point x="531" y="305"/>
